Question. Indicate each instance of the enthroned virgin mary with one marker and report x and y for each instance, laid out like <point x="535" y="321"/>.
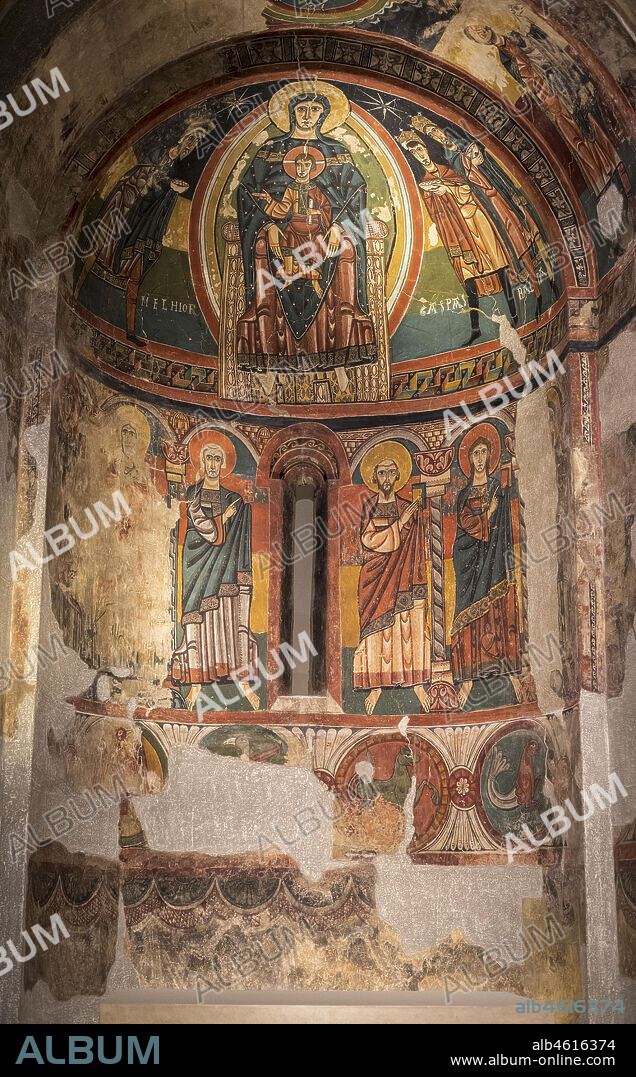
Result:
<point x="302" y="219"/>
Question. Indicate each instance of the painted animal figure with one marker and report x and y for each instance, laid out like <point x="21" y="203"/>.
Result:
<point x="394" y="789"/>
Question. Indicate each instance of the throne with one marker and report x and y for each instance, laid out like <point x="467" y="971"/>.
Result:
<point x="366" y="382"/>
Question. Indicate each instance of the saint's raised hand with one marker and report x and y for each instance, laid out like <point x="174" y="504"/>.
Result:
<point x="230" y="511"/>
<point x="409" y="512"/>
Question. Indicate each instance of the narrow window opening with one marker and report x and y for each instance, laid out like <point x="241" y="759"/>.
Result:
<point x="304" y="585"/>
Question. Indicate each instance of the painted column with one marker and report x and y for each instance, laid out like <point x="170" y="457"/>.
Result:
<point x="434" y="466"/>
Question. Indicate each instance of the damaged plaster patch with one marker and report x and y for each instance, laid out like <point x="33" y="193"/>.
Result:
<point x="609" y="210"/>
<point x="122" y="975"/>
<point x="403" y="725"/>
<point x="23" y="212"/>
<point x="510" y="339"/>
<point x="218" y="805"/>
<point x="616" y="407"/>
<point x="8" y="487"/>
<point x="601" y="951"/>
<point x="426" y="903"/>
<point x="38" y="1007"/>
<point x="66" y="675"/>
<point x="60" y="771"/>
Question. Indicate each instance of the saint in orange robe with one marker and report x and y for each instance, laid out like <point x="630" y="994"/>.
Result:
<point x="394" y="649"/>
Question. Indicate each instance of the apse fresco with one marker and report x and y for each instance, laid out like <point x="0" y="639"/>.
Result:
<point x="416" y="241"/>
<point x="213" y="548"/>
<point x="302" y="239"/>
<point x="533" y="63"/>
<point x="521" y="54"/>
<point x="346" y="284"/>
<point x="426" y="598"/>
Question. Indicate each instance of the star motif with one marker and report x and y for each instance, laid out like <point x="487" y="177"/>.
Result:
<point x="383" y="106"/>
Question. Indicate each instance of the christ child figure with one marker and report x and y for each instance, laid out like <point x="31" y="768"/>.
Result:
<point x="307" y="215"/>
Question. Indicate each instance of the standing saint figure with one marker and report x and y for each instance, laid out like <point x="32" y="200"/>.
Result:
<point x="128" y="462"/>
<point x="217" y="585"/>
<point x="485" y="637"/>
<point x="471" y="240"/>
<point x="395" y="647"/>
<point x="307" y="216"/>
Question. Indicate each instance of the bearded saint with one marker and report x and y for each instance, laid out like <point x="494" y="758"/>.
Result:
<point x="394" y="649"/>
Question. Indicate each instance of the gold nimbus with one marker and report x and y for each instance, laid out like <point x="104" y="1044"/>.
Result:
<point x="279" y="104"/>
<point x="386" y="450"/>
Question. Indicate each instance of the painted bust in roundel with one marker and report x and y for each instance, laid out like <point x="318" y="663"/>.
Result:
<point x="301" y="212"/>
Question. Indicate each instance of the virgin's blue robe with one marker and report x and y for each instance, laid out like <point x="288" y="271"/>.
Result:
<point x="345" y="189"/>
<point x="480" y="566"/>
